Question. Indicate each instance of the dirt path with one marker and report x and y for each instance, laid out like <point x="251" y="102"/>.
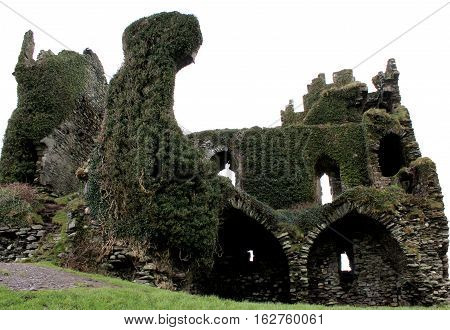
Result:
<point x="29" y="277"/>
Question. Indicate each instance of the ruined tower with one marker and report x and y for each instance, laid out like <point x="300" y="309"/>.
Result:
<point x="61" y="100"/>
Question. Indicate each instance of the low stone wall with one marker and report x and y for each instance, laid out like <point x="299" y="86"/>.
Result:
<point x="252" y="286"/>
<point x="122" y="262"/>
<point x="19" y="243"/>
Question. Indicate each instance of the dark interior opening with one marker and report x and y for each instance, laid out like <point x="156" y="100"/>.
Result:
<point x="377" y="264"/>
<point x="31" y="158"/>
<point x="222" y="158"/>
<point x="328" y="166"/>
<point x="235" y="275"/>
<point x="390" y="155"/>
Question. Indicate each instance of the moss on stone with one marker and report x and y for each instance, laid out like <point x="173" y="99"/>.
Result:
<point x="401" y="114"/>
<point x="378" y="201"/>
<point x="60" y="218"/>
<point x="290" y="117"/>
<point x="335" y="105"/>
<point x="379" y="122"/>
<point x="214" y="138"/>
<point x="64" y="200"/>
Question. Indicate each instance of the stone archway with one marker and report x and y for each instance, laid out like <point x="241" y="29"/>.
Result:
<point x="252" y="264"/>
<point x="384" y="270"/>
<point x="273" y="274"/>
<point x="377" y="264"/>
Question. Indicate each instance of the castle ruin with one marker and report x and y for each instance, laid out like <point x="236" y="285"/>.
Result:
<point x="269" y="237"/>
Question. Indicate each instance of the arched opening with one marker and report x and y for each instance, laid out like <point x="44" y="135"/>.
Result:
<point x="251" y="264"/>
<point x="224" y="165"/>
<point x="391" y="157"/>
<point x="328" y="180"/>
<point x="356" y="261"/>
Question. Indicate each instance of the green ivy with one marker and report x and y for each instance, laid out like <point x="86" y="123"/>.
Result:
<point x="147" y="181"/>
<point x="278" y="164"/>
<point x="48" y="91"/>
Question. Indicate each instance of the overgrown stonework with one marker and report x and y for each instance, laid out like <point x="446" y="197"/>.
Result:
<point x="147" y="181"/>
<point x="61" y="99"/>
<point x="387" y="215"/>
<point x="159" y="214"/>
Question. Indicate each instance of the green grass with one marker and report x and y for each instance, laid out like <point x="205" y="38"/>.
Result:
<point x="60" y="218"/>
<point x="64" y="200"/>
<point x="119" y="294"/>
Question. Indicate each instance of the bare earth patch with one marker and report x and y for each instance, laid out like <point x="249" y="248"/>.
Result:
<point x="29" y="277"/>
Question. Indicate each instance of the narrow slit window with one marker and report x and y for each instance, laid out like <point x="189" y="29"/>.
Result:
<point x="345" y="263"/>
<point x="327" y="181"/>
<point x="251" y="256"/>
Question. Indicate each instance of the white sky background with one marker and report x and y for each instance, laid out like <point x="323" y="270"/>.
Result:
<point x="257" y="55"/>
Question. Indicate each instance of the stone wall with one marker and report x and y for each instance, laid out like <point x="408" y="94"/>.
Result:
<point x="376" y="264"/>
<point x="150" y="270"/>
<point x="70" y="145"/>
<point x="20" y="243"/>
<point x="420" y="235"/>
<point x="268" y="283"/>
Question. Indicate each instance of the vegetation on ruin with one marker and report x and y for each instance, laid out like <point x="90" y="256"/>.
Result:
<point x="151" y="188"/>
<point x="378" y="121"/>
<point x="48" y="90"/>
<point x="333" y="105"/>
<point x="162" y="191"/>
<point x="57" y="241"/>
<point x="19" y="205"/>
<point x="279" y="162"/>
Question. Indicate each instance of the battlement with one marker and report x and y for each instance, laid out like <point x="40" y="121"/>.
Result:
<point x="345" y="99"/>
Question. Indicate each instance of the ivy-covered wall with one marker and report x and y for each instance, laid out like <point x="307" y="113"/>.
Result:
<point x="277" y="165"/>
<point x="383" y="180"/>
<point x="57" y="94"/>
<point x="147" y="181"/>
